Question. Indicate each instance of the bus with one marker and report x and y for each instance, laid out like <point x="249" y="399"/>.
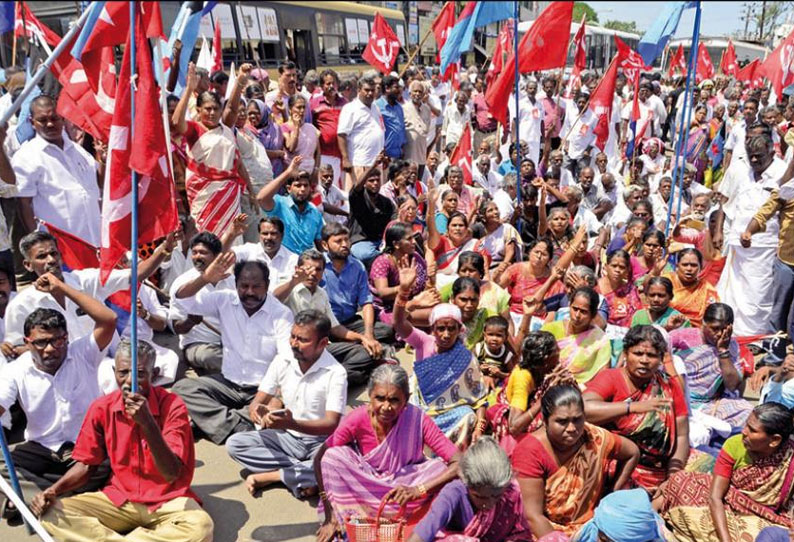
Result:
<point x="599" y="43"/>
<point x="311" y="34"/>
<point x="745" y="51"/>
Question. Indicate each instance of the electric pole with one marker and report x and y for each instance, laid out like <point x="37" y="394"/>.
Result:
<point x="761" y="28"/>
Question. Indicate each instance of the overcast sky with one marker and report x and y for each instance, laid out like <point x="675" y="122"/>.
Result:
<point x="717" y="19"/>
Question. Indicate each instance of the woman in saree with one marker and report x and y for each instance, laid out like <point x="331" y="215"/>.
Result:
<point x="623" y="516"/>
<point x="658" y="295"/>
<point x="617" y="286"/>
<point x="559" y="229"/>
<point x="750" y="489"/>
<point x="215" y="176"/>
<point x="493" y="298"/>
<point x="447" y="381"/>
<point x="584" y="347"/>
<point x="651" y="260"/>
<point x="378" y="451"/>
<point x="483" y="505"/>
<point x="524" y="279"/>
<point x="384" y="275"/>
<point x="713" y="366"/>
<point x="691" y="293"/>
<point x="301" y="138"/>
<point x="444" y="250"/>
<point x="652" y="157"/>
<point x="645" y="405"/>
<point x="262" y="126"/>
<point x="449" y="206"/>
<point x="466" y="297"/>
<point x="698" y="141"/>
<point x="501" y="240"/>
<point x="562" y="467"/>
<point x="408" y="213"/>
<point x="518" y="406"/>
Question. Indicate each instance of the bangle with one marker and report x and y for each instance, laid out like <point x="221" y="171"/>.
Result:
<point x="324" y="496"/>
<point x="422" y="489"/>
<point x="724" y="354"/>
<point x="628" y="407"/>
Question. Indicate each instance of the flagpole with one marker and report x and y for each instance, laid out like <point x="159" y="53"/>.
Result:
<point x="33" y="82"/>
<point x="14" y="37"/>
<point x="518" y="113"/>
<point x="686" y="118"/>
<point x="416" y="52"/>
<point x="134" y="213"/>
<point x="12" y="472"/>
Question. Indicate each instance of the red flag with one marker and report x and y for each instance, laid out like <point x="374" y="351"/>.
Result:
<point x="383" y="46"/>
<point x="75" y="252"/>
<point x="601" y="101"/>
<point x="705" y="68"/>
<point x="779" y="66"/>
<point x="728" y="64"/>
<point x="502" y="48"/>
<point x="579" y="55"/>
<point x="631" y="62"/>
<point x="91" y="111"/>
<point x="46" y="37"/>
<point x="444" y="22"/>
<point x="461" y="156"/>
<point x="541" y="48"/>
<point x="217" y="50"/>
<point x="678" y="62"/>
<point x="747" y="74"/>
<point x="144" y="153"/>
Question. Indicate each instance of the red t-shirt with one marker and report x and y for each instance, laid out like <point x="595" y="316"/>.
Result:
<point x="611" y="385"/>
<point x="107" y="431"/>
<point x="356" y="427"/>
<point x="325" y="118"/>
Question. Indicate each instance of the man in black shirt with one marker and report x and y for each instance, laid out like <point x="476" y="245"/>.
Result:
<point x="370" y="213"/>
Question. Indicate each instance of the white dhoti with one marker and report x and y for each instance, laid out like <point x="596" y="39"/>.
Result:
<point x="746" y="285"/>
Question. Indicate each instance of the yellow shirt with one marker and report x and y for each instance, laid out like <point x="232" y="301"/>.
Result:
<point x="785" y="247"/>
<point x="519" y="386"/>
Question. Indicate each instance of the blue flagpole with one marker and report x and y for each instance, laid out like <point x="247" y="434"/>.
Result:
<point x="518" y="113"/>
<point x="686" y="118"/>
<point x="12" y="471"/>
<point x="134" y="225"/>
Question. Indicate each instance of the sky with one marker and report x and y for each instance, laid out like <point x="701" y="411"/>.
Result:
<point x="717" y="18"/>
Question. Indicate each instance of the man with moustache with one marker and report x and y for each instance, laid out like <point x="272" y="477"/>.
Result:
<point x="298" y="404"/>
<point x="370" y="213"/>
<point x="279" y="259"/>
<point x="326" y="108"/>
<point x="361" y="132"/>
<point x="254" y="328"/>
<point x="198" y="339"/>
<point x="276" y="100"/>
<point x="146" y="438"/>
<point x="41" y="255"/>
<point x="55" y="381"/>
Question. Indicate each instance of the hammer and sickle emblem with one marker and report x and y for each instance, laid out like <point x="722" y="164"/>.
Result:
<point x="379" y="50"/>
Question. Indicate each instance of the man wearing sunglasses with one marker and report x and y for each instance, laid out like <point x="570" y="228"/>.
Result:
<point x="55" y="381"/>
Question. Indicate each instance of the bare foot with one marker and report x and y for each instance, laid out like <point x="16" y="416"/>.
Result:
<point x="255" y="482"/>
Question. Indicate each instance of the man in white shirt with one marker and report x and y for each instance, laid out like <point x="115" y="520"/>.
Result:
<point x="581" y="215"/>
<point x="734" y="145"/>
<point x="593" y="199"/>
<point x="361" y="132"/>
<point x="530" y="122"/>
<point x="55" y="381"/>
<point x="483" y="175"/>
<point x="198" y="336"/>
<point x="279" y="259"/>
<point x="579" y="125"/>
<point x="746" y="283"/>
<point x="254" y="328"/>
<point x="505" y="196"/>
<point x="357" y="353"/>
<point x="646" y="123"/>
<point x="41" y="255"/>
<point x="56" y="179"/>
<point x="456" y="117"/>
<point x="298" y="405"/>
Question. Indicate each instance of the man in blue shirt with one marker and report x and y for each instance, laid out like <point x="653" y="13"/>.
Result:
<point x="393" y="119"/>
<point x="303" y="222"/>
<point x="347" y="286"/>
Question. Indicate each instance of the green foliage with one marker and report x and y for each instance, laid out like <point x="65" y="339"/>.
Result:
<point x="623" y="26"/>
<point x="580" y="8"/>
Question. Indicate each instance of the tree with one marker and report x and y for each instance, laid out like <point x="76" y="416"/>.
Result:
<point x="580" y="8"/>
<point x="768" y="17"/>
<point x="623" y="26"/>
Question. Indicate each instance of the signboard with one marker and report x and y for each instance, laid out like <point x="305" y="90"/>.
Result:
<point x="351" y="30"/>
<point x="268" y="24"/>
<point x="400" y="31"/>
<point x="429" y="46"/>
<point x="222" y="15"/>
<point x="363" y="31"/>
<point x="249" y="25"/>
<point x="413" y="34"/>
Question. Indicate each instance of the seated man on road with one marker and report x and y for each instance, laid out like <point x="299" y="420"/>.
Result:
<point x="198" y="336"/>
<point x="302" y="292"/>
<point x="146" y="436"/>
<point x="299" y="403"/>
<point x="254" y="327"/>
<point x="55" y="382"/>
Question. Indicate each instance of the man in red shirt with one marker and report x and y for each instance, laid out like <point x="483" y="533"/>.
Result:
<point x="148" y="440"/>
<point x="325" y="109"/>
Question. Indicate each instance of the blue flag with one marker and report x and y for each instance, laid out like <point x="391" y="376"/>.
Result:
<point x="188" y="21"/>
<point x="656" y="37"/>
<point x="6" y="17"/>
<point x="94" y="12"/>
<point x="715" y="151"/>
<point x="24" y="130"/>
<point x="474" y="15"/>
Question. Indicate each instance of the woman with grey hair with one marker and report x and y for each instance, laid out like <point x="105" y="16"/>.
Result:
<point x="377" y="453"/>
<point x="485" y="504"/>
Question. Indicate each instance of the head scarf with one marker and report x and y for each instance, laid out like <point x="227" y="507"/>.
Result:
<point x="624" y="516"/>
<point x="445" y="310"/>
<point x="264" y="112"/>
<point x="646" y="145"/>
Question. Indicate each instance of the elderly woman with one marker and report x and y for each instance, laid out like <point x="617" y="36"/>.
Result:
<point x="584" y="347"/>
<point x="691" y="294"/>
<point x="749" y="490"/>
<point x="563" y="467"/>
<point x="484" y="504"/>
<point x="623" y="516"/>
<point x="644" y="405"/>
<point x="713" y="366"/>
<point x="493" y="298"/>
<point x="262" y="126"/>
<point x="447" y="378"/>
<point x="652" y="157"/>
<point x="378" y="451"/>
<point x="501" y="240"/>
